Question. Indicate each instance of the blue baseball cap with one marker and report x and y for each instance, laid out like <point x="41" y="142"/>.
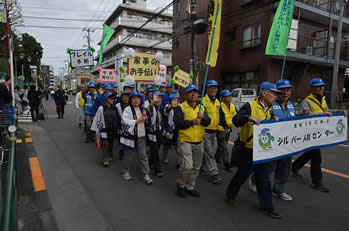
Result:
<point x="212" y="83"/>
<point x="124" y="93"/>
<point x="92" y="85"/>
<point x="130" y="85"/>
<point x="134" y="93"/>
<point x="268" y="86"/>
<point x="159" y="93"/>
<point x="224" y="93"/>
<point x="114" y="85"/>
<point x="283" y="83"/>
<point x="107" y="87"/>
<point x="191" y="87"/>
<point x="174" y="91"/>
<point x="316" y="82"/>
<point x="148" y="86"/>
<point x="173" y="96"/>
<point x="168" y="85"/>
<point x="149" y="90"/>
<point x="82" y="86"/>
<point x="110" y="94"/>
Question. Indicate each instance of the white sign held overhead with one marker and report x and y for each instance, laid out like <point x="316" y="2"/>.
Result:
<point x="81" y="58"/>
<point x="163" y="72"/>
<point x="276" y="140"/>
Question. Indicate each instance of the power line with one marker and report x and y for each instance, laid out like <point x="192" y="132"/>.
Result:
<point x="56" y="27"/>
<point x="51" y="8"/>
<point x="63" y="19"/>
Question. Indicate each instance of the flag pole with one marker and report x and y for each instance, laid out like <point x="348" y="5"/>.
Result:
<point x="209" y="55"/>
<point x="283" y="66"/>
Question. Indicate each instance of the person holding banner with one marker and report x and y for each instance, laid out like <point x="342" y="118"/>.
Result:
<point x="315" y="103"/>
<point x="283" y="108"/>
<point x="190" y="122"/>
<point x="212" y="105"/>
<point x="227" y="112"/>
<point x="251" y="113"/>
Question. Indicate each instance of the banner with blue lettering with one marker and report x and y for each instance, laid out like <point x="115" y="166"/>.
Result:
<point x="276" y="140"/>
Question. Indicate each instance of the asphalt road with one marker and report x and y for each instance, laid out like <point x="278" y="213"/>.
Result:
<point x="87" y="196"/>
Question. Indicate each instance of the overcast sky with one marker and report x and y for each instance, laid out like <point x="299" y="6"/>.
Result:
<point x="56" y="41"/>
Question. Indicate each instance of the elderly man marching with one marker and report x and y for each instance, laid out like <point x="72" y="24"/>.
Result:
<point x="212" y="106"/>
<point x="315" y="103"/>
<point x="251" y="113"/>
<point x="190" y="123"/>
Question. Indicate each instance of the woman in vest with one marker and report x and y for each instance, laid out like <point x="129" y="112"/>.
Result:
<point x="120" y="107"/>
<point x="315" y="103"/>
<point x="90" y="99"/>
<point x="133" y="139"/>
<point x="226" y="114"/>
<point x="153" y="127"/>
<point x="104" y="124"/>
<point x="190" y="122"/>
<point x="251" y="113"/>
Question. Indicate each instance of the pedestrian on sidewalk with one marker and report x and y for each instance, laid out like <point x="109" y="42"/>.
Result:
<point x="79" y="104"/>
<point x="104" y="124"/>
<point x="60" y="100"/>
<point x="90" y="98"/>
<point x="190" y="123"/>
<point x="251" y="113"/>
<point x="169" y="134"/>
<point x="212" y="106"/>
<point x="124" y="102"/>
<point x="153" y="127"/>
<point x="34" y="102"/>
<point x="226" y="114"/>
<point x="133" y="138"/>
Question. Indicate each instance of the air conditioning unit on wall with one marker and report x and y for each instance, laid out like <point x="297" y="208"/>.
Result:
<point x="309" y="50"/>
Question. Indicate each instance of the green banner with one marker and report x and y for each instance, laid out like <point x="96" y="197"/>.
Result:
<point x="107" y="33"/>
<point x="280" y="30"/>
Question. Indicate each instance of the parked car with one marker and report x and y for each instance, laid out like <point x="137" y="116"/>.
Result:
<point x="240" y="96"/>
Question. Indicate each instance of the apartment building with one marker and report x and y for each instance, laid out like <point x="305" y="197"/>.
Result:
<point x="245" y="29"/>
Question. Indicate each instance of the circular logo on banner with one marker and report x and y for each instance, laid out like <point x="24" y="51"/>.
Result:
<point x="265" y="139"/>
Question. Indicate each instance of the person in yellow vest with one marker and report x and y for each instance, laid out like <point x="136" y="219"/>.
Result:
<point x="190" y="122"/>
<point x="227" y="111"/>
<point x="80" y="103"/>
<point x="315" y="103"/>
<point x="251" y="113"/>
<point x="212" y="106"/>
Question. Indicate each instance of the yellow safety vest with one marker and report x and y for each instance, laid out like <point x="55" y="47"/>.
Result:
<point x="212" y="111"/>
<point x="195" y="133"/>
<point x="247" y="129"/>
<point x="229" y="114"/>
<point x="81" y="100"/>
<point x="315" y="104"/>
<point x="100" y="91"/>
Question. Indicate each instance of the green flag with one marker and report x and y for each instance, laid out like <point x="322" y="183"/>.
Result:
<point x="280" y="30"/>
<point x="107" y="33"/>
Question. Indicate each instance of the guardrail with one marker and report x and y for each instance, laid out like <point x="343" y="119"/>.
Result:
<point x="10" y="209"/>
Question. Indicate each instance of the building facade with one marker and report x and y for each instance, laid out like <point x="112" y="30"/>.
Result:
<point x="244" y="33"/>
<point x="153" y="37"/>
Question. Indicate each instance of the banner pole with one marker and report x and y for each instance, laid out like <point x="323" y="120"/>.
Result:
<point x="283" y="67"/>
<point x="209" y="55"/>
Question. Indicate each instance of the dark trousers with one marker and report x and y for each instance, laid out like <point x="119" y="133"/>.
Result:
<point x="154" y="159"/>
<point x="261" y="171"/>
<point x="315" y="169"/>
<point x="60" y="110"/>
<point x="108" y="148"/>
<point x="36" y="110"/>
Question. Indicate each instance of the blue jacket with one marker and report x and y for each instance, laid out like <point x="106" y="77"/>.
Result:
<point x="89" y="104"/>
<point x="165" y="100"/>
<point x="279" y="112"/>
<point x="98" y="102"/>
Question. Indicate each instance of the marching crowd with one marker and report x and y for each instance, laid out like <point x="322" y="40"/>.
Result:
<point x="145" y="126"/>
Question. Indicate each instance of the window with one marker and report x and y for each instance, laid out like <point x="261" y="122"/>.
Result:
<point x="240" y="80"/>
<point x="235" y="93"/>
<point x="252" y="36"/>
<point x="179" y="5"/>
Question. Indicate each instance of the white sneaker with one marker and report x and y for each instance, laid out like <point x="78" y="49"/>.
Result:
<point x="147" y="179"/>
<point x="284" y="196"/>
<point x="252" y="186"/>
<point x="126" y="175"/>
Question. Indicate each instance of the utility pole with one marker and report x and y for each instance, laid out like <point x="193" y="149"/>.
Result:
<point x="191" y="9"/>
<point x="88" y="36"/>
<point x="337" y="54"/>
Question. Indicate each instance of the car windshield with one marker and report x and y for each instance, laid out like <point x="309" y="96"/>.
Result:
<point x="235" y="93"/>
